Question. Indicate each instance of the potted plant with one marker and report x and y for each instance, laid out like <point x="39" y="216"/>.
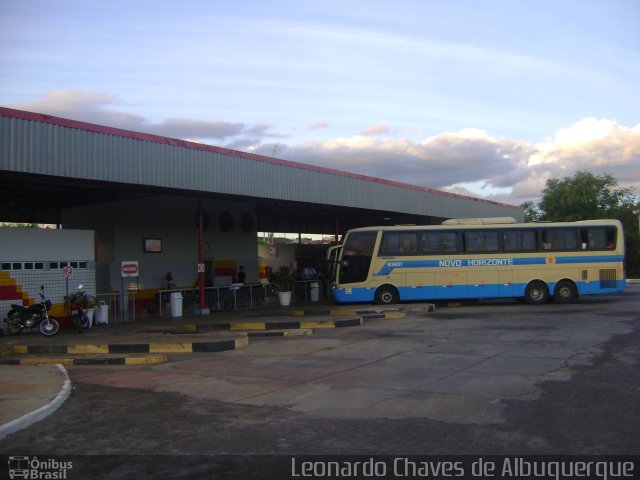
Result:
<point x="285" y="280"/>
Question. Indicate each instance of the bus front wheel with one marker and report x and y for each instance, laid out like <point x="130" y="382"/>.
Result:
<point x="386" y="295"/>
<point x="536" y="293"/>
<point x="565" y="292"/>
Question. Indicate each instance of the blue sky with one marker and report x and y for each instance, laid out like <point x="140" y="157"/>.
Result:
<point x="487" y="97"/>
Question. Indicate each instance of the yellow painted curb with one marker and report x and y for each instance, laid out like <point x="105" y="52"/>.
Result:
<point x="170" y="348"/>
<point x="87" y="349"/>
<point x="247" y="326"/>
<point x="326" y="324"/>
<point x="395" y="314"/>
<point x="242" y="342"/>
<point x="340" y="313"/>
<point x="19" y="350"/>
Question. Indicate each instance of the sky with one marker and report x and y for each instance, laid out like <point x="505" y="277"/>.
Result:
<point x="487" y="98"/>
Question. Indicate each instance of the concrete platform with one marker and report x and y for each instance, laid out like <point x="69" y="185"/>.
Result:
<point x="34" y="381"/>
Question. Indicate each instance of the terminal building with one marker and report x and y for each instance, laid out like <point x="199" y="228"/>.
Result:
<point x="174" y="207"/>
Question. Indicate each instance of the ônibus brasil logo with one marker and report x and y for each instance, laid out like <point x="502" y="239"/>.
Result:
<point x="34" y="468"/>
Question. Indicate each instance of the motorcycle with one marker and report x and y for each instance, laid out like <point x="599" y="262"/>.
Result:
<point x="78" y="301"/>
<point x="34" y="316"/>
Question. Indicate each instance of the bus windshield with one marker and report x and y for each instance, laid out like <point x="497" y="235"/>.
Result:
<point x="356" y="257"/>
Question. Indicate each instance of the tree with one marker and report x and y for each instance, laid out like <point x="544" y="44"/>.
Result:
<point x="587" y="196"/>
<point x="531" y="211"/>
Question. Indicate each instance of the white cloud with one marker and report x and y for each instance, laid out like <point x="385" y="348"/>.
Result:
<point x="474" y="162"/>
<point x="375" y="130"/>
<point x="103" y="109"/>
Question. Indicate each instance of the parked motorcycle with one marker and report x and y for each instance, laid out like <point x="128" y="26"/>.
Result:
<point x="34" y="316"/>
<point x="78" y="303"/>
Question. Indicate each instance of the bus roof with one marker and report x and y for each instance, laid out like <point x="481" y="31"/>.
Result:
<point x="470" y="225"/>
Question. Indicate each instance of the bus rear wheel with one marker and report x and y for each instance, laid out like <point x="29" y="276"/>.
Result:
<point x="565" y="292"/>
<point x="536" y="293"/>
<point x="386" y="295"/>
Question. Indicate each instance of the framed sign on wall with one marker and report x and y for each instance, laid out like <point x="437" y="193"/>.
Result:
<point x="152" y="245"/>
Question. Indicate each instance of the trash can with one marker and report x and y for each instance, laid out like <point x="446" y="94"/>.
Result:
<point x="315" y="291"/>
<point x="176" y="304"/>
<point x="101" y="316"/>
<point x="90" y="312"/>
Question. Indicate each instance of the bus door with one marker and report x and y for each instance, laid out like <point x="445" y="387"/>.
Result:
<point x="333" y="254"/>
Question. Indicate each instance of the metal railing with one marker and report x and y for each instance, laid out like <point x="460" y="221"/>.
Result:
<point x="230" y="297"/>
<point x="302" y="289"/>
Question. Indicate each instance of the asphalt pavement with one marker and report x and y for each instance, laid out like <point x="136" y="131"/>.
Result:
<point x="490" y="377"/>
<point x="32" y="367"/>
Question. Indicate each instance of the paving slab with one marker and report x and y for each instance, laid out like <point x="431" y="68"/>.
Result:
<point x="29" y="394"/>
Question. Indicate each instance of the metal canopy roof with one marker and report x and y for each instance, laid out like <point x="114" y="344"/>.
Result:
<point x="50" y="163"/>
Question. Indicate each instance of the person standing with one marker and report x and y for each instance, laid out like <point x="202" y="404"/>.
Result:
<point x="242" y="276"/>
<point x="309" y="273"/>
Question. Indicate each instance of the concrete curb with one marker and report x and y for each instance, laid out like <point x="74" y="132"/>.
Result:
<point x="252" y="327"/>
<point x="366" y="314"/>
<point x="131" y="348"/>
<point x="100" y="360"/>
<point x="281" y="333"/>
<point x="42" y="412"/>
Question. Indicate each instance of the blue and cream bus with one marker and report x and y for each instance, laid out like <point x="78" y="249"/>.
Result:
<point x="479" y="258"/>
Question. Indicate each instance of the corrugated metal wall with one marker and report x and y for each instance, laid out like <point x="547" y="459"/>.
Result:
<point x="47" y="148"/>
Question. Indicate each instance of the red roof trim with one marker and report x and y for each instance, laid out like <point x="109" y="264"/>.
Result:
<point x="91" y="127"/>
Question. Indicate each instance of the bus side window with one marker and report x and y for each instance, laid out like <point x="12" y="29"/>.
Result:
<point x="519" y="240"/>
<point x="559" y="239"/>
<point x="399" y="243"/>
<point x="611" y="238"/>
<point x="481" y="241"/>
<point x="433" y="243"/>
<point x="390" y="246"/>
<point x="598" y="238"/>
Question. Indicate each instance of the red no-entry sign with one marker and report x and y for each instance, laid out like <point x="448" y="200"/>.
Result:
<point x="130" y="268"/>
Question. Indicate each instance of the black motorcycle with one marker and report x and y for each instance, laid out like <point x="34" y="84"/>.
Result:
<point x="34" y="316"/>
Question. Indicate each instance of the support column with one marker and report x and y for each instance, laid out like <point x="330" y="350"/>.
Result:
<point x="203" y="307"/>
